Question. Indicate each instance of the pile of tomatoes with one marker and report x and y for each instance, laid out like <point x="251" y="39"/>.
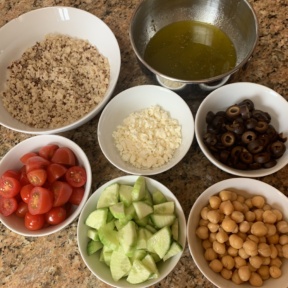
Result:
<point x="44" y="189"/>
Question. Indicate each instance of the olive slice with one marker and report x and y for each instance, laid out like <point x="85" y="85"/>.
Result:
<point x="233" y="111"/>
<point x="209" y="117"/>
<point x="270" y="164"/>
<point x="262" y="157"/>
<point x="261" y="126"/>
<point x="251" y="123"/>
<point x="261" y="115"/>
<point x="247" y="102"/>
<point x="228" y="138"/>
<point x="248" y="136"/>
<point x="245" y="112"/>
<point x="255" y="146"/>
<point x="210" y="139"/>
<point x="277" y="149"/>
<point x="246" y="156"/>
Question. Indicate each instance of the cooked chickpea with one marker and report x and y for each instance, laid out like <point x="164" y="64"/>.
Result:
<point x="214" y="216"/>
<point x="212" y="237"/>
<point x="226" y="207"/>
<point x="206" y="244"/>
<point x="274" y="239"/>
<point x="258" y="214"/>
<point x="216" y="265"/>
<point x="248" y="202"/>
<point x="269" y="217"/>
<point x="239" y="262"/>
<point x="250" y="216"/>
<point x="253" y="238"/>
<point x="242" y="235"/>
<point x="203" y="222"/>
<point x="222" y="236"/>
<point x="274" y="251"/>
<point x="202" y="232"/>
<point x="278" y="214"/>
<point x="266" y="207"/>
<point x="256" y="261"/>
<point x="204" y="212"/>
<point x="264" y="273"/>
<point x="229" y="225"/>
<point x="279" y="249"/>
<point x="244" y="227"/>
<point x="232" y="251"/>
<point x="258" y="201"/>
<point x="250" y="247"/>
<point x="272" y="230"/>
<point x="252" y="268"/>
<point x="242" y="253"/>
<point x="227" y="195"/>
<point x="215" y="201"/>
<point x="255" y="280"/>
<point x="237" y="216"/>
<point x="226" y="274"/>
<point x="218" y="247"/>
<point x="238" y="206"/>
<point x="213" y="227"/>
<point x="235" y="241"/>
<point x="240" y="198"/>
<point x="235" y="278"/>
<point x="259" y="229"/>
<point x="244" y="273"/>
<point x="266" y="260"/>
<point x="228" y="262"/>
<point x="275" y="272"/>
<point x="264" y="249"/>
<point x="283" y="239"/>
<point x="276" y="262"/>
<point x="282" y="226"/>
<point x="285" y="251"/>
<point x="210" y="254"/>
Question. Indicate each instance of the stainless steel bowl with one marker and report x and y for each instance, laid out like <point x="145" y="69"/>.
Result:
<point x="234" y="17"/>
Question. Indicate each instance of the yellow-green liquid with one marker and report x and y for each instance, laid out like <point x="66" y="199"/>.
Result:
<point x="190" y="50"/>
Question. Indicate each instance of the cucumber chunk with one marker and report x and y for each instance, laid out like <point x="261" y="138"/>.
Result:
<point x="149" y="262"/>
<point x="139" y="189"/>
<point x="138" y="273"/>
<point x="142" y="209"/>
<point x="128" y="237"/>
<point x="161" y="220"/>
<point x="125" y="194"/>
<point x="120" y="264"/>
<point x="174" y="249"/>
<point x="93" y="247"/>
<point x="164" y="208"/>
<point x="175" y="229"/>
<point x="109" y="196"/>
<point x="158" y="197"/>
<point x="97" y="218"/>
<point x="118" y="210"/>
<point x="93" y="234"/>
<point x="108" y="237"/>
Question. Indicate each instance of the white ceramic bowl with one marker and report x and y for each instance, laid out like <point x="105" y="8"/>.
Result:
<point x="135" y="99"/>
<point x="11" y="161"/>
<point x="247" y="187"/>
<point x="264" y="99"/>
<point x="101" y="270"/>
<point x="23" y="32"/>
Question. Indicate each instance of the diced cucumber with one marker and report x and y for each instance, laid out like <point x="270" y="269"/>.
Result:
<point x="164" y="208"/>
<point x="149" y="262"/>
<point x="141" y="222"/>
<point x="158" y="197"/>
<point x="175" y="229"/>
<point x="107" y="257"/>
<point x="108" y="237"/>
<point x="148" y="198"/>
<point x="138" y="254"/>
<point x="139" y="189"/>
<point x="128" y="237"/>
<point x="109" y="196"/>
<point x="125" y="194"/>
<point x="151" y="228"/>
<point x="142" y="209"/>
<point x="174" y="249"/>
<point x="161" y="220"/>
<point x="118" y="210"/>
<point x="143" y="236"/>
<point x="155" y="257"/>
<point x="160" y="242"/>
<point x="93" y="247"/>
<point x="93" y="234"/>
<point x="97" y="218"/>
<point x="129" y="215"/>
<point x="120" y="264"/>
<point x="138" y="273"/>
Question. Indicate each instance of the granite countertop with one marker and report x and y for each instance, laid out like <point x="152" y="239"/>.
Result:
<point x="54" y="261"/>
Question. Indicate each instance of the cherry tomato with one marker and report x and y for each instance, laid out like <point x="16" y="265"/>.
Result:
<point x="12" y="173"/>
<point x="25" y="192"/>
<point x="48" y="151"/>
<point x="65" y="156"/>
<point x="55" y="215"/>
<point x="36" y="162"/>
<point x="77" y="195"/>
<point x="26" y="156"/>
<point x="23" y="176"/>
<point x="34" y="222"/>
<point x="55" y="171"/>
<point x="40" y="200"/>
<point x="61" y="192"/>
<point x="9" y="187"/>
<point x="37" y="177"/>
<point x="22" y="209"/>
<point x="76" y="176"/>
<point x="8" y="206"/>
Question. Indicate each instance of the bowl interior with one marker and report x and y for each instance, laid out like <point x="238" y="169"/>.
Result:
<point x="24" y="31"/>
<point x="246" y="187"/>
<point x="135" y="99"/>
<point x="235" y="18"/>
<point x="264" y="99"/>
<point x="101" y="270"/>
<point x="11" y="161"/>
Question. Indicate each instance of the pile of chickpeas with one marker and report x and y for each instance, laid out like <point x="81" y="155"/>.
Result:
<point x="245" y="239"/>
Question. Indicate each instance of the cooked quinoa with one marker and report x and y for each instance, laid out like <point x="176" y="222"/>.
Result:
<point x="56" y="82"/>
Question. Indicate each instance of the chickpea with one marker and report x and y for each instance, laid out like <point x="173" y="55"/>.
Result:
<point x="258" y="201"/>
<point x="242" y="235"/>
<point x="222" y="236"/>
<point x="227" y="195"/>
<point x="213" y="227"/>
<point x="239" y="262"/>
<point x="278" y="214"/>
<point x="252" y="268"/>
<point x="242" y="253"/>
<point x="262" y="239"/>
<point x="235" y="278"/>
<point x="203" y="222"/>
<point x="215" y="202"/>
<point x="229" y="225"/>
<point x="228" y="262"/>
<point x="266" y="207"/>
<point x="256" y="261"/>
<point x="226" y="274"/>
<point x="264" y="250"/>
<point x="275" y="272"/>
<point x="218" y="247"/>
<point x="269" y="217"/>
<point x="240" y="198"/>
<point x="244" y="227"/>
<point x="202" y="232"/>
<point x="274" y="239"/>
<point x="210" y="254"/>
<point x="212" y="237"/>
<point x="204" y="212"/>
<point x="250" y="216"/>
<point x="264" y="273"/>
<point x="266" y="260"/>
<point x="274" y="251"/>
<point x="282" y="226"/>
<point x="237" y="216"/>
<point x="276" y="262"/>
<point x="258" y="214"/>
<point x="245" y="208"/>
<point x="253" y="238"/>
<point x="272" y="230"/>
<point x="285" y="251"/>
<point x="216" y="265"/>
<point x="238" y="206"/>
<point x="214" y="216"/>
<point x="250" y="247"/>
<point x="283" y="239"/>
<point x="255" y="280"/>
<point x="248" y="202"/>
<point x="232" y="251"/>
<point x="226" y="207"/>
<point x="244" y="273"/>
<point x="235" y="241"/>
<point x="279" y="249"/>
<point x="206" y="244"/>
<point x="259" y="229"/>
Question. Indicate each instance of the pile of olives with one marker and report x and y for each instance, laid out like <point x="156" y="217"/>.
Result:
<point x="242" y="137"/>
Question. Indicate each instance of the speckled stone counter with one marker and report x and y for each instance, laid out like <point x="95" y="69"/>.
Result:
<point x="54" y="261"/>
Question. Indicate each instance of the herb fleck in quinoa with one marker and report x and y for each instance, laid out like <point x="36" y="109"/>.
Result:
<point x="56" y="82"/>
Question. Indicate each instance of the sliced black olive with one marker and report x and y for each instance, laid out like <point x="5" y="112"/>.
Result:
<point x="209" y="117"/>
<point x="245" y="112"/>
<point x="228" y="139"/>
<point x="249" y="103"/>
<point x="272" y="133"/>
<point x="262" y="157"/>
<point x="241" y="166"/>
<point x="212" y="129"/>
<point x="210" y="139"/>
<point x="265" y="140"/>
<point x="248" y="136"/>
<point x="236" y="127"/>
<point x="224" y="155"/>
<point x="282" y="138"/>
<point x="255" y="166"/>
<point x="261" y="116"/>
<point x="270" y="164"/>
<point x="255" y="146"/>
<point x="251" y="123"/>
<point x="277" y="149"/>
<point x="235" y="154"/>
<point x="218" y="121"/>
<point x="233" y="111"/>
<point x="261" y="126"/>
<point x="246" y="156"/>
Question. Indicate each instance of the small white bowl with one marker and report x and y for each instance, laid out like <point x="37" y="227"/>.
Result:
<point x="264" y="98"/>
<point x="100" y="269"/>
<point x="11" y="161"/>
<point x="135" y="99"/>
<point x="246" y="187"/>
<point x="23" y="32"/>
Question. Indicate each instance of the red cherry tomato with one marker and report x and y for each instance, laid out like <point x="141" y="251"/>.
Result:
<point x="77" y="195"/>
<point x="34" y="222"/>
<point x="61" y="192"/>
<point x="65" y="156"/>
<point x="36" y="162"/>
<point x="56" y="215"/>
<point x="23" y="176"/>
<point x="76" y="176"/>
<point x="40" y="200"/>
<point x="22" y="209"/>
<point x="55" y="171"/>
<point x="9" y="187"/>
<point x="25" y="192"/>
<point x="37" y="177"/>
<point x="26" y="156"/>
<point x="12" y="173"/>
<point x="48" y="151"/>
<point x="8" y="206"/>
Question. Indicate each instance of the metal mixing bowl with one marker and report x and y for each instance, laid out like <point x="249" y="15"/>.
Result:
<point x="236" y="18"/>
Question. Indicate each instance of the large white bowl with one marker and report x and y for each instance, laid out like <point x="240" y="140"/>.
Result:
<point x="247" y="187"/>
<point x="23" y="32"/>
<point x="100" y="269"/>
<point x="135" y="99"/>
<point x="11" y="161"/>
<point x="264" y="98"/>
